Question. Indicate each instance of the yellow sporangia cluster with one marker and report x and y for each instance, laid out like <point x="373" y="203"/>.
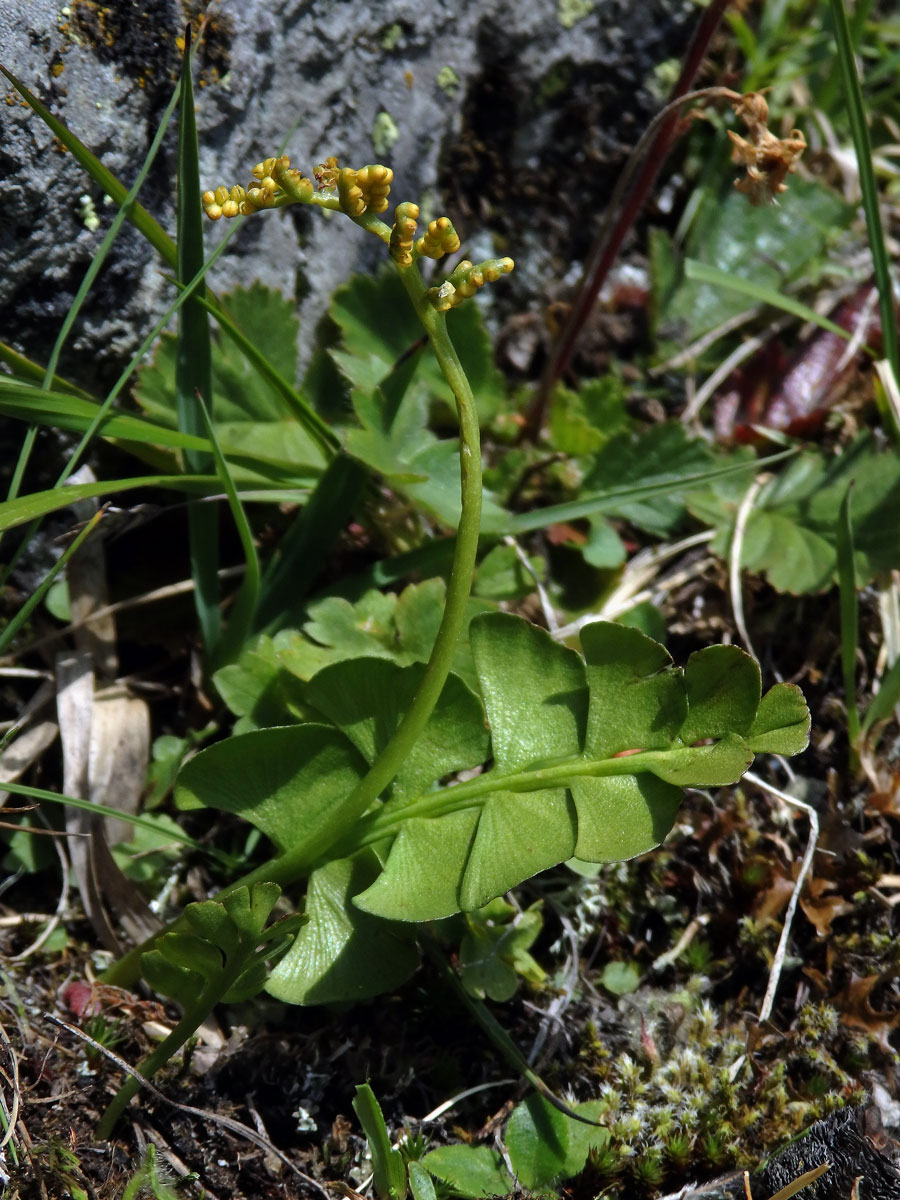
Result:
<point x="440" y="238"/>
<point x="360" y="194"/>
<point x="403" y="233"/>
<point x="365" y="190"/>
<point x="465" y="280"/>
<point x="277" y="183"/>
<point x="767" y="158"/>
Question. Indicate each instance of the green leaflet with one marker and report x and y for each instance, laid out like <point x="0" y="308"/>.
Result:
<point x="791" y="532"/>
<point x="589" y="758"/>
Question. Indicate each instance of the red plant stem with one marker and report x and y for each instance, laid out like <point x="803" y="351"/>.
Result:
<point x="614" y="232"/>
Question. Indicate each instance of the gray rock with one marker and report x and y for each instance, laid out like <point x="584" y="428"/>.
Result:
<point x="513" y="118"/>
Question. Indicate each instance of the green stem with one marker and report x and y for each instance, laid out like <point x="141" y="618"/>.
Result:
<point x="297" y="863"/>
<point x="189" y="1023"/>
<point x="503" y="1043"/>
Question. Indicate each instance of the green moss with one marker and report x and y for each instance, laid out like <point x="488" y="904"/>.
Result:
<point x="448" y="81"/>
<point x="384" y="133"/>
<point x="391" y="36"/>
<point x="570" y="12"/>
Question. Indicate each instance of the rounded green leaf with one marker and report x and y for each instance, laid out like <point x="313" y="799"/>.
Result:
<point x="620" y="816"/>
<point x="533" y="688"/>
<point x="545" y="1146"/>
<point x="518" y="835"/>
<point x="782" y="722"/>
<point x="637" y="697"/>
<point x="368" y="697"/>
<point x="723" y="688"/>
<point x="289" y="782"/>
<point x="473" y="1171"/>
<point x="341" y="953"/>
<point x="421" y="879"/>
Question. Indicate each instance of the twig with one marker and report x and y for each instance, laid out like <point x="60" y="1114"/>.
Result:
<point x="670" y="956"/>
<point x="454" y="1100"/>
<point x="734" y="559"/>
<point x="778" y="961"/>
<point x="228" y="1123"/>
<point x="11" y="1115"/>
<point x="546" y="603"/>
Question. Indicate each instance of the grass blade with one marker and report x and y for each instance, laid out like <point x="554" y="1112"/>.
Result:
<point x="33" y="793"/>
<point x="26" y="369"/>
<point x="306" y="415"/>
<point x="585" y="506"/>
<point x="846" y="573"/>
<point x="193" y="368"/>
<point x="43" y="587"/>
<point x="24" y="401"/>
<point x="885" y="699"/>
<point x="759" y="293"/>
<point x="303" y="548"/>
<point x="241" y="619"/>
<point x="856" y="112"/>
<point x="102" y="176"/>
<point x="38" y="504"/>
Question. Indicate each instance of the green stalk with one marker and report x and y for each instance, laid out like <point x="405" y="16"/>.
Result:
<point x="194" y="1015"/>
<point x="296" y="864"/>
<point x="856" y="111"/>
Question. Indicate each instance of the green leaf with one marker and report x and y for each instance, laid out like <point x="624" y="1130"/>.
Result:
<point x="545" y="1146"/>
<point x="664" y="453"/>
<point x="420" y="1183"/>
<point x="589" y="759"/>
<point x="620" y="978"/>
<point x="768" y="246"/>
<point x="367" y="698"/>
<point x="782" y="722"/>
<point x="242" y="395"/>
<point x="193" y="364"/>
<point x="582" y="422"/>
<point x="224" y="957"/>
<point x="493" y="953"/>
<point x="288" y="782"/>
<point x="602" y="784"/>
<point x="547" y="717"/>
<point x="473" y="1171"/>
<point x="379" y="326"/>
<point x="791" y="532"/>
<point x="387" y="1163"/>
<point x="342" y="953"/>
<point x="26" y="402"/>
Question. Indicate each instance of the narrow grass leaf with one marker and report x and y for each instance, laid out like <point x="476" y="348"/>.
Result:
<point x="585" y="506"/>
<point x="101" y="175"/>
<point x="24" y="368"/>
<point x="856" y="111"/>
<point x="700" y="272"/>
<point x="244" y="607"/>
<point x="43" y="587"/>
<point x="38" y="504"/>
<point x="60" y="410"/>
<point x="306" y="415"/>
<point x="193" y="372"/>
<point x="33" y="793"/>
<point x="308" y="540"/>
<point x="846" y="573"/>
